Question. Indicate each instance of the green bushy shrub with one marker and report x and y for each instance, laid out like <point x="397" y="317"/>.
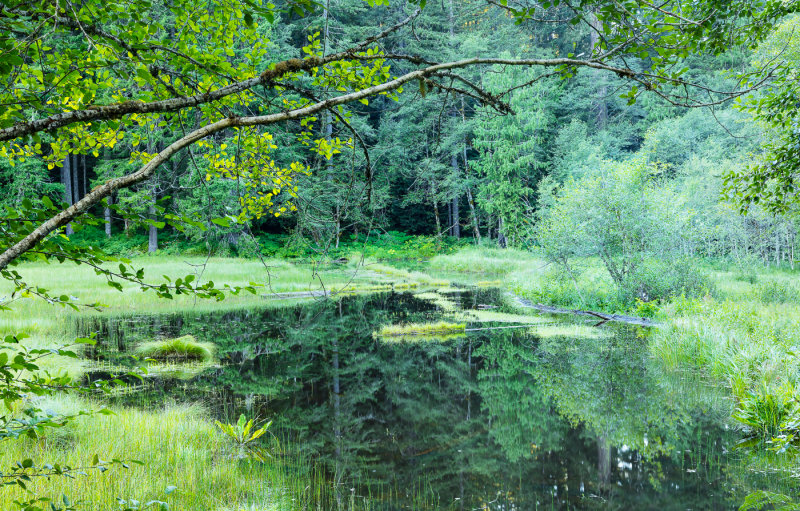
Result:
<point x="661" y="280"/>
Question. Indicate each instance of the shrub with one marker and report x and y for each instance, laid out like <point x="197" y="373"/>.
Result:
<point x="659" y="280"/>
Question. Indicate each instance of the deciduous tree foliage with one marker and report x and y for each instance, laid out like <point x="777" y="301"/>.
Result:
<point x="80" y="78"/>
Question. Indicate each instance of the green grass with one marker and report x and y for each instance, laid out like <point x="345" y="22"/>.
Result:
<point x="487" y="260"/>
<point x="440" y="329"/>
<point x="178" y="349"/>
<point x="179" y="446"/>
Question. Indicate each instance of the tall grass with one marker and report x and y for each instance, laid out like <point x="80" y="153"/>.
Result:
<point x="486" y="260"/>
<point x="178" y="445"/>
<point x="746" y="339"/>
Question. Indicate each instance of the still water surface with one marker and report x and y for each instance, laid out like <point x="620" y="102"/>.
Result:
<point x="497" y="419"/>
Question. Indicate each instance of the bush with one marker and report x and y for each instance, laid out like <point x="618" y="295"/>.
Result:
<point x="659" y="281"/>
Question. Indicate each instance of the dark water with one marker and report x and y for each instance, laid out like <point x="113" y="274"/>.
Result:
<point x="498" y="419"/>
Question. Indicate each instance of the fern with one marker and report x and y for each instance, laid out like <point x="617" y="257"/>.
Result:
<point x="761" y="499"/>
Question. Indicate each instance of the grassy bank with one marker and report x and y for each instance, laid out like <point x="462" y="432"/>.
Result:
<point x="178" y="446"/>
<point x="746" y="338"/>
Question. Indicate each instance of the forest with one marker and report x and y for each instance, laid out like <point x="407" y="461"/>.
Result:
<point x="349" y="254"/>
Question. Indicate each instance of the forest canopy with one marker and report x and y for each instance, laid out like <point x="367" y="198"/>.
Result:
<point x="302" y="109"/>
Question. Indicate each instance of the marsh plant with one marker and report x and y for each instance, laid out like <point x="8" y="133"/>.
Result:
<point x="244" y="433"/>
<point x="185" y="348"/>
<point x="771" y="415"/>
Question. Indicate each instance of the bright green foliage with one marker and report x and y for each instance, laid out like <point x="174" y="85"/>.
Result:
<point x="772" y="179"/>
<point x="245" y="434"/>
<point x="626" y="216"/>
<point x="767" y="413"/>
<point x="768" y="500"/>
<point x="181" y="348"/>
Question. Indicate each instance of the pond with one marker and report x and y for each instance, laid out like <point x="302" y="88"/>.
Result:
<point x="503" y="418"/>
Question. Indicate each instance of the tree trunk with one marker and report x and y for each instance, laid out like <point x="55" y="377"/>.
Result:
<point x="152" y="234"/>
<point x="475" y="230"/>
<point x="501" y="237"/>
<point x="107" y="215"/>
<point x="76" y="192"/>
<point x="438" y="219"/>
<point x="66" y="179"/>
<point x="84" y="181"/>
<point x="449" y="218"/>
<point x="456" y="221"/>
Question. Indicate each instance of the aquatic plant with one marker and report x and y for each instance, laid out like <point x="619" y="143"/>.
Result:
<point x="421" y="330"/>
<point x="759" y="500"/>
<point x="180" y="348"/>
<point x="244" y="434"/>
<point x="766" y="413"/>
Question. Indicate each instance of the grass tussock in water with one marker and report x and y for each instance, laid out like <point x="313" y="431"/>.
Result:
<point x="571" y="331"/>
<point x="181" y="348"/>
<point x="421" y="330"/>
<point x="485" y="316"/>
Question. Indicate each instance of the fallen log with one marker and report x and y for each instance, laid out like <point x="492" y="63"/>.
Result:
<point x="549" y="309"/>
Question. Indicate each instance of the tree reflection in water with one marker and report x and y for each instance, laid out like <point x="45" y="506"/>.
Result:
<point x="498" y="419"/>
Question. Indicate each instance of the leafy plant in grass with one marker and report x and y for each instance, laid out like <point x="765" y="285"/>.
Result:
<point x="770" y="415"/>
<point x="244" y="434"/>
<point x="178" y="349"/>
<point x="777" y="292"/>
